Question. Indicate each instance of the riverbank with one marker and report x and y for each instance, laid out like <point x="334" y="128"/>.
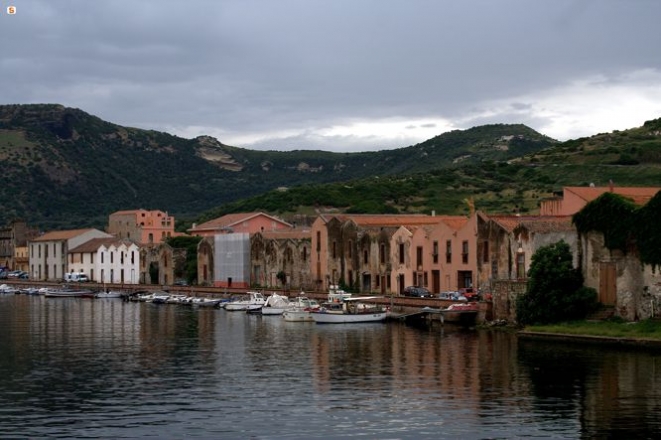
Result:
<point x="618" y="333"/>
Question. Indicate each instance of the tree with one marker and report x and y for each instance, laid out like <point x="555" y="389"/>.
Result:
<point x="555" y="289"/>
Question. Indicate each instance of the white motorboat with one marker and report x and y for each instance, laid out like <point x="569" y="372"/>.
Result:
<point x="4" y="288"/>
<point x="205" y="302"/>
<point x="276" y="305"/>
<point x="301" y="309"/>
<point x="351" y="310"/>
<point x="253" y="301"/>
<point x="109" y="294"/>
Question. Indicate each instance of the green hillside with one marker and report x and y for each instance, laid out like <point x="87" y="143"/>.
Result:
<point x="65" y="168"/>
<point x="627" y="158"/>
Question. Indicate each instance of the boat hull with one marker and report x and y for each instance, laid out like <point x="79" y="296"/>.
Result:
<point x="297" y="316"/>
<point x="347" y="318"/>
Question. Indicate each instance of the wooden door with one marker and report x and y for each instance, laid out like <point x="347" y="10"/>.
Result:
<point x="607" y="283"/>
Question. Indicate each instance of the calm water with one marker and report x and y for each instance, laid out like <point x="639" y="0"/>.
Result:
<point x="107" y="369"/>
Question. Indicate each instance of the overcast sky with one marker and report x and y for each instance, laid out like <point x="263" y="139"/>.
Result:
<point x="338" y="75"/>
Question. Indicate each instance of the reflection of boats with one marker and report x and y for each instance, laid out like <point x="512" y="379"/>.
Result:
<point x="349" y="311"/>
<point x="300" y="310"/>
<point x="276" y="304"/>
<point x="254" y="300"/>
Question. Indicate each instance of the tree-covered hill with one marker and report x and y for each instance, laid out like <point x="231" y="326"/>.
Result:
<point x="627" y="158"/>
<point x="65" y="168"/>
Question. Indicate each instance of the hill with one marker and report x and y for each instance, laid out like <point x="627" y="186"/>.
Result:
<point x="628" y="158"/>
<point x="66" y="168"/>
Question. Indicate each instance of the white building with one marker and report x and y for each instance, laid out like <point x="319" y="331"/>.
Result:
<point x="107" y="260"/>
<point x="49" y="252"/>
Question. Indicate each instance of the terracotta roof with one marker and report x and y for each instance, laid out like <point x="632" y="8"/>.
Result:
<point x="391" y="219"/>
<point x="95" y="243"/>
<point x="454" y="222"/>
<point x="229" y="220"/>
<point x="534" y="223"/>
<point x="288" y="234"/>
<point x="62" y="235"/>
<point x="640" y="195"/>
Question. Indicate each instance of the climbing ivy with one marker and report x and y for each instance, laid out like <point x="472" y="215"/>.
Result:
<point x="612" y="215"/>
<point x="624" y="225"/>
<point x="648" y="232"/>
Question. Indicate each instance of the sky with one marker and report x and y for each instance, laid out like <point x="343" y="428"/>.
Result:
<point x="338" y="75"/>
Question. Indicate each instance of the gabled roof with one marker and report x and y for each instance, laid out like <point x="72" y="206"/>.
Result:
<point x="640" y="195"/>
<point x="229" y="220"/>
<point x="62" y="235"/>
<point x="294" y="234"/>
<point x="95" y="243"/>
<point x="541" y="224"/>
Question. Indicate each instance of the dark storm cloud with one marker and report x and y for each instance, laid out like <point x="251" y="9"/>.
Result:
<point x="287" y="74"/>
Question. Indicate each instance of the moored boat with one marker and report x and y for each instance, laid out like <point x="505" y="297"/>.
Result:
<point x="254" y="300"/>
<point x="351" y="310"/>
<point x="275" y="305"/>
<point x="68" y="293"/>
<point x="301" y="309"/>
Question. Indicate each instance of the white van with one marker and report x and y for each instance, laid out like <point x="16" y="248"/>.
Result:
<point x="76" y="277"/>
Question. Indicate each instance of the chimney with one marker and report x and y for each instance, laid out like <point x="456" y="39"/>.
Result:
<point x="433" y="213"/>
<point x="610" y="185"/>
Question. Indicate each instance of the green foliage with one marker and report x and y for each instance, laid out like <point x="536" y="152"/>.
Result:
<point x="647" y="231"/>
<point x="554" y="292"/>
<point x="612" y="215"/>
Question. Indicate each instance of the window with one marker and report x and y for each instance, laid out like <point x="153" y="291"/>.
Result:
<point x="418" y="256"/>
<point x="305" y="253"/>
<point x="350" y="250"/>
<point x="318" y="241"/>
<point x="434" y="252"/>
<point x="401" y="253"/>
<point x="365" y="257"/>
<point x="464" y="252"/>
<point x="132" y="257"/>
<point x="112" y="257"/>
<point x="382" y="253"/>
<point x="334" y="249"/>
<point x="102" y="253"/>
<point x="448" y="251"/>
<point x="520" y="265"/>
<point x="485" y="252"/>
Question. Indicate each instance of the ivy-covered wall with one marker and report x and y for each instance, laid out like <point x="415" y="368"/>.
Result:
<point x="614" y="229"/>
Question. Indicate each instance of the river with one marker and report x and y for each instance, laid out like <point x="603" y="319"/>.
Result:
<point x="83" y="368"/>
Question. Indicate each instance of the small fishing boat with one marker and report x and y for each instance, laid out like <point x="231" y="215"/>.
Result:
<point x="351" y="310"/>
<point x="301" y="310"/>
<point x="68" y="293"/>
<point x="253" y="301"/>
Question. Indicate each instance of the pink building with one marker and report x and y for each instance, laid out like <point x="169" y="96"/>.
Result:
<point x="574" y="198"/>
<point x="142" y="226"/>
<point x="251" y="222"/>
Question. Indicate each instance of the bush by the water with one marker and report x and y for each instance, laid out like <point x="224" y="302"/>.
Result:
<point x="555" y="290"/>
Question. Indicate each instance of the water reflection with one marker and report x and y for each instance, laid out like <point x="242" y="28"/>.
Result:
<point x="103" y="368"/>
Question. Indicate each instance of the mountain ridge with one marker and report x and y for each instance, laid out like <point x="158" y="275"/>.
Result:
<point x="67" y="168"/>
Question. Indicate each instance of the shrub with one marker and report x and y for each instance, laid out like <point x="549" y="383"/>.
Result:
<point x="555" y="289"/>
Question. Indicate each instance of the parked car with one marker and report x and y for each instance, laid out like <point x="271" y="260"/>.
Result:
<point x="419" y="292"/>
<point x="24" y="276"/>
<point x="3" y="275"/>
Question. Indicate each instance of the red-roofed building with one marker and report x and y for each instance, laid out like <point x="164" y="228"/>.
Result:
<point x="574" y="198"/>
<point x="49" y="252"/>
<point x="386" y="253"/>
<point x="226" y="252"/>
<point x="142" y="226"/>
<point x="248" y="222"/>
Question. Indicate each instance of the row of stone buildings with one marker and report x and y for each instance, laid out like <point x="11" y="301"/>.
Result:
<point x="368" y="253"/>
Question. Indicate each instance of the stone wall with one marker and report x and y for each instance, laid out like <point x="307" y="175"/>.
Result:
<point x="505" y="293"/>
